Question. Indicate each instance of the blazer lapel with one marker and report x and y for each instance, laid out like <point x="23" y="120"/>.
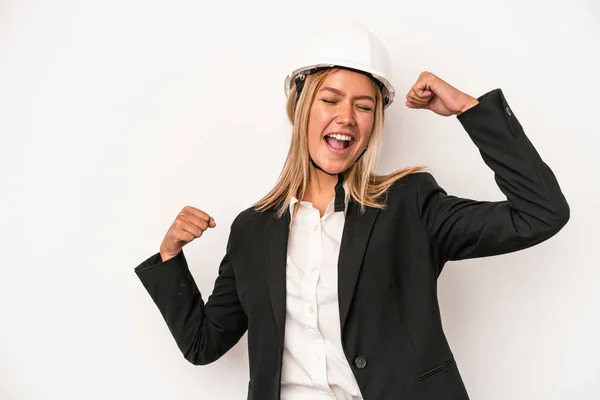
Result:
<point x="276" y="242"/>
<point x="355" y="236"/>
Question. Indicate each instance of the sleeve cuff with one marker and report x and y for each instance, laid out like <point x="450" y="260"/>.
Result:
<point x="485" y="101"/>
<point x="156" y="261"/>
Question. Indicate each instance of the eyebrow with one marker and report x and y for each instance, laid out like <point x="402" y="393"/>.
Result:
<point x="339" y="92"/>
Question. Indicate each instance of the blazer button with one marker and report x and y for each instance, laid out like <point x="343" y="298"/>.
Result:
<point x="360" y="362"/>
<point x="508" y="111"/>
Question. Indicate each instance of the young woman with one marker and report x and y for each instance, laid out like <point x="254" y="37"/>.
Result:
<point x="333" y="273"/>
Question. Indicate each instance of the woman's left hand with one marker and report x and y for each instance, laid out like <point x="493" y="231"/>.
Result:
<point x="432" y="93"/>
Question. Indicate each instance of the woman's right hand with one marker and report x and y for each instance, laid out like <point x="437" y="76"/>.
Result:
<point x="189" y="225"/>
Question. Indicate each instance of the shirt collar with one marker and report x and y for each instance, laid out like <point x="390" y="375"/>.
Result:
<point x="331" y="204"/>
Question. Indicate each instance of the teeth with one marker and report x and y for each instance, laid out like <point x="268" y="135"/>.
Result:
<point x="341" y="137"/>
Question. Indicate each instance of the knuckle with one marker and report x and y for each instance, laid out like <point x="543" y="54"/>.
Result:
<point x="177" y="234"/>
<point x="186" y="236"/>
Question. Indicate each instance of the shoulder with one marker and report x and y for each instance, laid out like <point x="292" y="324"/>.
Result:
<point x="413" y="181"/>
<point x="243" y="230"/>
<point x="251" y="217"/>
<point x="417" y="185"/>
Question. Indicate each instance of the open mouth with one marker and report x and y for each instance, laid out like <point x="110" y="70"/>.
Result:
<point x="338" y="143"/>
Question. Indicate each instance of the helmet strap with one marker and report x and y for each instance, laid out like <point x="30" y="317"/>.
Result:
<point x="340" y="194"/>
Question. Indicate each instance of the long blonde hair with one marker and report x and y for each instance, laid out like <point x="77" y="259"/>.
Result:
<point x="365" y="187"/>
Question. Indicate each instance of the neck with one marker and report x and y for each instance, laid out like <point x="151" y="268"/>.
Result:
<point x="321" y="186"/>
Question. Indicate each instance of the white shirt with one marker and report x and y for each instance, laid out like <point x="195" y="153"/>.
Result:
<point x="314" y="364"/>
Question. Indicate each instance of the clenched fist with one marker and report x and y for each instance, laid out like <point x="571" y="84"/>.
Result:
<point x="189" y="225"/>
<point x="432" y="93"/>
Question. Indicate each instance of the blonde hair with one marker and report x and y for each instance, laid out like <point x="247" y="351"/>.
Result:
<point x="365" y="187"/>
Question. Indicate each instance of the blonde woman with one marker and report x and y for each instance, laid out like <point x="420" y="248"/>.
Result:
<point x="333" y="273"/>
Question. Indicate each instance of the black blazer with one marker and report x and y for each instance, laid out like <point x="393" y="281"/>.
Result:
<point x="388" y="266"/>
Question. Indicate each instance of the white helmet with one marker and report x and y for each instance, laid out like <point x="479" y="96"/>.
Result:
<point x="349" y="45"/>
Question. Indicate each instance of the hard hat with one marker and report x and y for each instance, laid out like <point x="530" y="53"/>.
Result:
<point x="348" y="45"/>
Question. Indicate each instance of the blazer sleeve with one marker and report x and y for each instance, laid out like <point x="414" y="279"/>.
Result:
<point x="534" y="210"/>
<point x="203" y="332"/>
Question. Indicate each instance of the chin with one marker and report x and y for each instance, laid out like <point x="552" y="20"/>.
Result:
<point x="333" y="167"/>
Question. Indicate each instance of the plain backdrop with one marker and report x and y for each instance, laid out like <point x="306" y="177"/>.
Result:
<point x="114" y="115"/>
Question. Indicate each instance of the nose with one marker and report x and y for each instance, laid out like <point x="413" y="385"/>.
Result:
<point x="346" y="115"/>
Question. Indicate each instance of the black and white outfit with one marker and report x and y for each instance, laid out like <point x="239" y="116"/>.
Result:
<point x="345" y="306"/>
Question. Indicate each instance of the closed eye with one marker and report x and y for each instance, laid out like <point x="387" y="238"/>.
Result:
<point x="362" y="108"/>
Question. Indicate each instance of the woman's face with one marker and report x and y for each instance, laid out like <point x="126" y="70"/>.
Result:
<point x="341" y="120"/>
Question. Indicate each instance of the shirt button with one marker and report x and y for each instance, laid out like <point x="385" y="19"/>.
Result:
<point x="311" y="309"/>
<point x="360" y="362"/>
<point x="316" y="228"/>
<point x="508" y="111"/>
<point x="313" y="269"/>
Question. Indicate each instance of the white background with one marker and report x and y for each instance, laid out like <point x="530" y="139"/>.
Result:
<point x="116" y="114"/>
